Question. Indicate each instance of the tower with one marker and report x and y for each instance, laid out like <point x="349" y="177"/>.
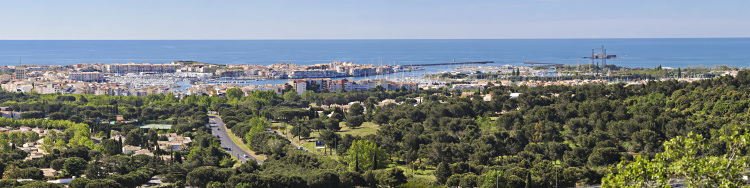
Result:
<point x="20" y="73"/>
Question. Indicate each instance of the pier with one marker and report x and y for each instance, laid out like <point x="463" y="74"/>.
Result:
<point x="537" y="64"/>
<point x="454" y="63"/>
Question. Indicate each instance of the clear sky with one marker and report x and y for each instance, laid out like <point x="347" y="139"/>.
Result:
<point x="372" y="19"/>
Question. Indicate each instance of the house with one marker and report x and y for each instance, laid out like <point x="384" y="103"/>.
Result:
<point x="170" y="145"/>
<point x="24" y="129"/>
<point x="48" y="172"/>
<point x="173" y="137"/>
<point x="128" y="149"/>
<point x="515" y="95"/>
<point x="35" y="155"/>
<point x="29" y="147"/>
<point x="143" y="152"/>
<point x="487" y="97"/>
<point x="62" y="181"/>
<point x="118" y="137"/>
<point x="386" y="102"/>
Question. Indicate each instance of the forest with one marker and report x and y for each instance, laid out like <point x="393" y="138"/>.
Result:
<point x="611" y="135"/>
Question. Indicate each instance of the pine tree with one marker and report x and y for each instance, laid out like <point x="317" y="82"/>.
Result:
<point x="356" y="163"/>
<point x="443" y="172"/>
<point x="178" y="157"/>
<point x="528" y="180"/>
<point x="679" y="72"/>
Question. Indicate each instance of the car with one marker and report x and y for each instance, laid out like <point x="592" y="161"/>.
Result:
<point x="300" y="148"/>
<point x="246" y="156"/>
<point x="217" y="136"/>
<point x="218" y="129"/>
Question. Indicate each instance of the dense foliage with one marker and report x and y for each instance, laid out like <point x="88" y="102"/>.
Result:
<point x="579" y="134"/>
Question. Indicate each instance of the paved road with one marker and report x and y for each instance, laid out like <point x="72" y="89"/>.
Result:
<point x="296" y="146"/>
<point x="226" y="141"/>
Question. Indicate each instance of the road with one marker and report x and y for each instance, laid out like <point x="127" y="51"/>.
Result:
<point x="291" y="141"/>
<point x="218" y="128"/>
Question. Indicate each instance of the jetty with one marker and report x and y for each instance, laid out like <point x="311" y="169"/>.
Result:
<point x="453" y="63"/>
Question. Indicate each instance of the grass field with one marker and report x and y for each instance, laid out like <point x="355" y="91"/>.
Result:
<point x="308" y="143"/>
<point x="367" y="128"/>
<point x="242" y="145"/>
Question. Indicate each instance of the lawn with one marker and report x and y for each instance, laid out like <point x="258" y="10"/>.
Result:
<point x="367" y="128"/>
<point x="308" y="143"/>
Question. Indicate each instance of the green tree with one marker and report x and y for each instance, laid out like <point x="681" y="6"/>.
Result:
<point x="316" y="124"/>
<point x="329" y="138"/>
<point x="74" y="166"/>
<point x="356" y="109"/>
<point x="234" y="94"/>
<point x="469" y="180"/>
<point x="58" y="116"/>
<point x="528" y="180"/>
<point x="308" y="95"/>
<point x="40" y="184"/>
<point x="323" y="180"/>
<point x="79" y="183"/>
<point x="454" y="180"/>
<point x="686" y="158"/>
<point x="291" y="96"/>
<point x="355" y="121"/>
<point x="201" y="176"/>
<point x="443" y="172"/>
<point x="57" y="164"/>
<point x="175" y="173"/>
<point x="366" y="155"/>
<point x="393" y="177"/>
<point x="134" y="137"/>
<point x="96" y="170"/>
<point x="333" y="124"/>
<point x="32" y="136"/>
<point x="300" y="131"/>
<point x="257" y="125"/>
<point x="494" y="179"/>
<point x="13" y="172"/>
<point x="351" y="179"/>
<point x="32" y="114"/>
<point x="103" y="183"/>
<point x="380" y="118"/>
<point x="110" y="147"/>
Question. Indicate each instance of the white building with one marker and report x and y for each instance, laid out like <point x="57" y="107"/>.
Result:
<point x="86" y="76"/>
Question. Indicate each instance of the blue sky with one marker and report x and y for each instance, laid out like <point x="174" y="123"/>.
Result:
<point x="372" y="19"/>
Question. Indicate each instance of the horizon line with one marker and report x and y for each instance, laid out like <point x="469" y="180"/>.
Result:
<point x="371" y="39"/>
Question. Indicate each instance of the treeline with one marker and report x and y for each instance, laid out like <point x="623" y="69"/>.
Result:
<point x="585" y="130"/>
<point x="575" y="133"/>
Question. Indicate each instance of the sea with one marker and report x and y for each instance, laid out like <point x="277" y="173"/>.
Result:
<point x="650" y="52"/>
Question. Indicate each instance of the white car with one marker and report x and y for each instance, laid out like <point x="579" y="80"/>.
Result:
<point x="246" y="156"/>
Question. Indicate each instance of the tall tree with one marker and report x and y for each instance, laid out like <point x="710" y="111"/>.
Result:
<point x="356" y="109"/>
<point x="355" y="121"/>
<point x="234" y="94"/>
<point x="367" y="155"/>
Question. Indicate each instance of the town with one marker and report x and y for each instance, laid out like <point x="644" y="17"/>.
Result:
<point x="181" y="78"/>
<point x="141" y="79"/>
